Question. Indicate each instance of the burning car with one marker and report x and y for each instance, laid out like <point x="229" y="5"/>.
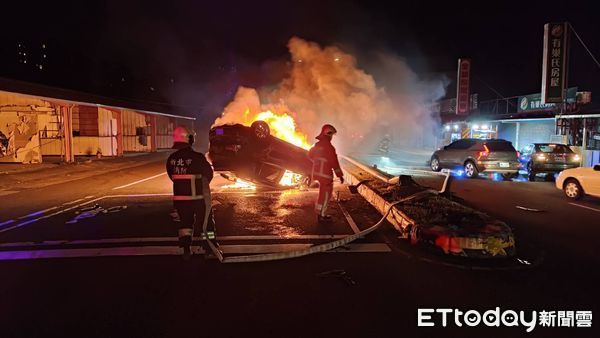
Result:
<point x="253" y="154"/>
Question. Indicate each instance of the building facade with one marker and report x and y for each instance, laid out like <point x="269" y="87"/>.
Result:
<point x="35" y="126"/>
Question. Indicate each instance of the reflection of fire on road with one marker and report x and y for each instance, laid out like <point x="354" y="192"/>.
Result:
<point x="240" y="184"/>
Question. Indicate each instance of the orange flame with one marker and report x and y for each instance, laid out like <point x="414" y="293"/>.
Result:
<point x="282" y="125"/>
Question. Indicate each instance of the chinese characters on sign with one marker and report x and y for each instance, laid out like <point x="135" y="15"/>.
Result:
<point x="533" y="102"/>
<point x="554" y="72"/>
<point x="462" y="88"/>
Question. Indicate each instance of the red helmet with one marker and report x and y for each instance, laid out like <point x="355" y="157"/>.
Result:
<point x="183" y="134"/>
<point x="327" y="130"/>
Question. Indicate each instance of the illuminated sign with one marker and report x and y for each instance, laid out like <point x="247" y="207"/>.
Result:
<point x="554" y="65"/>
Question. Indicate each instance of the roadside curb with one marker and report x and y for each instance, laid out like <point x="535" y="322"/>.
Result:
<point x="495" y="239"/>
<point x="397" y="218"/>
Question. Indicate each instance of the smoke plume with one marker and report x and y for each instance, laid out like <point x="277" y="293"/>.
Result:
<point x="326" y="85"/>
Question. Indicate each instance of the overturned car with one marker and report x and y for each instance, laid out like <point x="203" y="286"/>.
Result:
<point x="253" y="154"/>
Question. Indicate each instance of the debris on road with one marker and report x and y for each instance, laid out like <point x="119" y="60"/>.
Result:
<point x="434" y="220"/>
<point x="529" y="209"/>
<point x="93" y="211"/>
<point x="340" y="274"/>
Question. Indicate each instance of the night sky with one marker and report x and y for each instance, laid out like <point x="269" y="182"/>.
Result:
<point x="194" y="54"/>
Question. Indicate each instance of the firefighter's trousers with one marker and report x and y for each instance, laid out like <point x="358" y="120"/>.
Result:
<point x="195" y="215"/>
<point x="325" y="192"/>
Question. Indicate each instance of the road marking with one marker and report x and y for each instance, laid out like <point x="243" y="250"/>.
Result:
<point x="163" y="240"/>
<point x="276" y="237"/>
<point x="175" y="250"/>
<point x="49" y="215"/>
<point x="37" y="213"/>
<point x="139" y="195"/>
<point x="349" y="219"/>
<point x="8" y="192"/>
<point x="77" y="201"/>
<point x="75" y="207"/>
<point x="140" y="181"/>
<point x="7" y="222"/>
<point x="585" y="207"/>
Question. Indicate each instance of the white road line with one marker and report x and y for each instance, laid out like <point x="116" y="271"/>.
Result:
<point x="349" y="219"/>
<point x="8" y="192"/>
<point x="162" y="239"/>
<point x="50" y="215"/>
<point x="139" y="195"/>
<point x="77" y="201"/>
<point x="276" y="237"/>
<point x="7" y="222"/>
<point x="585" y="207"/>
<point x="140" y="181"/>
<point x="37" y="213"/>
<point x="175" y="250"/>
<point x="75" y="207"/>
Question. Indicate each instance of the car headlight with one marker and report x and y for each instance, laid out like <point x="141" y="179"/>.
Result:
<point x="576" y="158"/>
<point x="541" y="157"/>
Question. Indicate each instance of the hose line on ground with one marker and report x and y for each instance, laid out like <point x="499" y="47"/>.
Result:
<point x="316" y="248"/>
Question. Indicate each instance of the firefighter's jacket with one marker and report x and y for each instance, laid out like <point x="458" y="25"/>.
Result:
<point x="190" y="172"/>
<point x="325" y="160"/>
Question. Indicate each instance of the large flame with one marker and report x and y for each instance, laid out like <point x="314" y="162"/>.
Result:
<point x="283" y="126"/>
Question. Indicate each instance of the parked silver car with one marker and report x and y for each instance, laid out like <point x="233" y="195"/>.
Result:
<point x="476" y="156"/>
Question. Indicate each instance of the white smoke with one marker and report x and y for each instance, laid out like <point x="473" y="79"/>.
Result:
<point x="325" y="85"/>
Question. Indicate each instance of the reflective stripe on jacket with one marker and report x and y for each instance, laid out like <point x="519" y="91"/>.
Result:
<point x="325" y="161"/>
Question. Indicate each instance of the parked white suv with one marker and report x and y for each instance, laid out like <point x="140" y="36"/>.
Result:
<point x="577" y="182"/>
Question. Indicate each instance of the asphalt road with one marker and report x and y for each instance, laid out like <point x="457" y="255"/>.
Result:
<point x="120" y="273"/>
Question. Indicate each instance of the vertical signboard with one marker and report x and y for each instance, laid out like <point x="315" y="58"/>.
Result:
<point x="554" y="65"/>
<point x="462" y="87"/>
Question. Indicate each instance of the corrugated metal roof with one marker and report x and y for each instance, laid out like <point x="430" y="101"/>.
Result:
<point x="54" y="94"/>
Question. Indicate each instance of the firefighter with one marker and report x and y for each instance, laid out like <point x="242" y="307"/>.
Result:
<point x="325" y="163"/>
<point x="191" y="175"/>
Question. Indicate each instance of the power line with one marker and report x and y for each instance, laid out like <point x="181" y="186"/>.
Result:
<point x="584" y="45"/>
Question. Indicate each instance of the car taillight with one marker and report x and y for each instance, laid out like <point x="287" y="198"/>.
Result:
<point x="485" y="153"/>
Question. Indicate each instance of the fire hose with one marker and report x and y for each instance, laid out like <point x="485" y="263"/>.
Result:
<point x="316" y="248"/>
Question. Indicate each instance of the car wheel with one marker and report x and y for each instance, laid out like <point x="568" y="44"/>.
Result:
<point x="530" y="173"/>
<point x="471" y="170"/>
<point x="435" y="164"/>
<point x="261" y="129"/>
<point x="573" y="189"/>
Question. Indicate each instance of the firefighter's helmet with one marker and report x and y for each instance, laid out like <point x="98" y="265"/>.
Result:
<point x="183" y="134"/>
<point x="327" y="130"/>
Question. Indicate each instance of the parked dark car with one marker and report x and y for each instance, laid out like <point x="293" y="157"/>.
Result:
<point x="476" y="156"/>
<point x="253" y="154"/>
<point x="547" y="158"/>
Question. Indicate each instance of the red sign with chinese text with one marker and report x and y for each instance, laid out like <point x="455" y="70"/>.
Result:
<point x="462" y="87"/>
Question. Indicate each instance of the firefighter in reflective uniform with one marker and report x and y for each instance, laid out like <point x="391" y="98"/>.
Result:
<point x="191" y="175"/>
<point x="325" y="164"/>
